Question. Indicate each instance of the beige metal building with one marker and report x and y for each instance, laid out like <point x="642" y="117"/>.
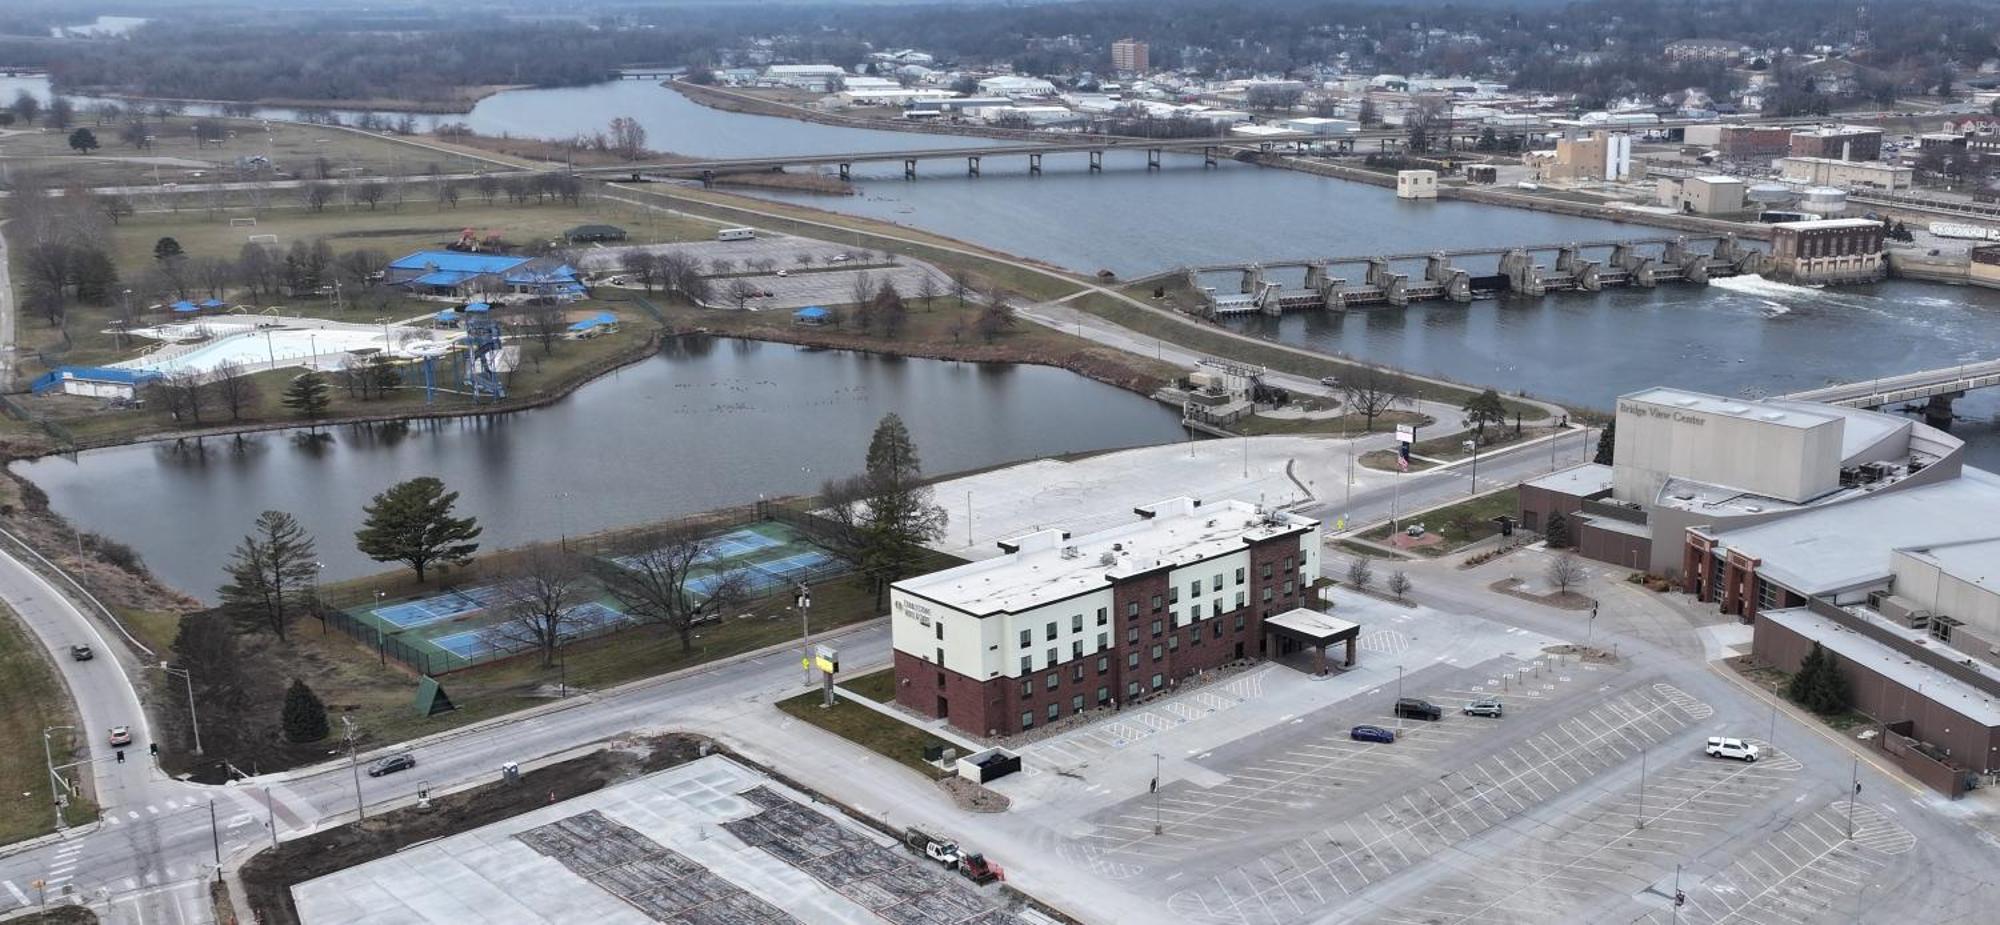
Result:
<point x="1826" y="171"/>
<point x="1714" y="195"/>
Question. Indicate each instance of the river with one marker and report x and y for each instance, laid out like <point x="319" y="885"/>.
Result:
<point x="709" y="424"/>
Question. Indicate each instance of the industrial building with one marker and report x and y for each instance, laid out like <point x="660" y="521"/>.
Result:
<point x="1749" y="141"/>
<point x="1129" y="56"/>
<point x="1059" y="625"/>
<point x="457" y="275"/>
<point x="1824" y="171"/>
<point x="1599" y="155"/>
<point x="1416" y="184"/>
<point x="805" y="76"/>
<point x="1714" y="195"/>
<point x="1840" y="142"/>
<point x="1831" y="250"/>
<point x="1684" y="459"/>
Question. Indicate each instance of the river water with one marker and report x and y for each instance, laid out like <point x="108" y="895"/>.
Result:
<point x="1736" y="337"/>
<point x="708" y="424"/>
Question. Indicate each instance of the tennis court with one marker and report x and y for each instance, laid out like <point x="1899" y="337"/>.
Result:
<point x="447" y="606"/>
<point x="771" y="574"/>
<point x="473" y="645"/>
<point x="764" y="558"/>
<point x="740" y="543"/>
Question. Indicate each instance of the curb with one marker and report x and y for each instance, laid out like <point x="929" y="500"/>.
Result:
<point x="1806" y="719"/>
<point x="1405" y="515"/>
<point x="42" y="841"/>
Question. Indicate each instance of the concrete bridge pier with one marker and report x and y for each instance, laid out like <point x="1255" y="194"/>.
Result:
<point x="846" y="173"/>
<point x="1640" y="266"/>
<point x="1152" y="158"/>
<point x="1097" y="161"/>
<point x="1937" y="411"/>
<point x="1034" y="165"/>
<point x="1733" y="255"/>
<point x="1519" y="267"/>
<point x="707" y="179"/>
<point x="972" y="165"/>
<point x="1208" y="156"/>
<point x="909" y="168"/>
<point x="1315" y="275"/>
<point x="1253" y="278"/>
<point x="1456" y="283"/>
<point x="1388" y="281"/>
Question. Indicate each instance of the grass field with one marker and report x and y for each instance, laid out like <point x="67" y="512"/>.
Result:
<point x="885" y="736"/>
<point x="1344" y="425"/>
<point x="1459" y="525"/>
<point x="31" y="699"/>
<point x="293" y="149"/>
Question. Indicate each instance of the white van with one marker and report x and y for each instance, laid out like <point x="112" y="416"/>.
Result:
<point x="736" y="234"/>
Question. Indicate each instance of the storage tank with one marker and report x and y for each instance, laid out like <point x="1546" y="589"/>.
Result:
<point x="1825" y="200"/>
<point x="1771" y="194"/>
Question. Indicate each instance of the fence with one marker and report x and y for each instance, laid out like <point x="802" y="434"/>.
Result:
<point x="387" y="646"/>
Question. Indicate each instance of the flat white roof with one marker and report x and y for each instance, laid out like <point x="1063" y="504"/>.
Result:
<point x="1791" y="414"/>
<point x="1847" y="545"/>
<point x="1718" y="180"/>
<point x="1976" y="562"/>
<point x="1312" y="623"/>
<point x="1047" y="568"/>
<point x="1825" y="223"/>
<point x="1580" y="480"/>
<point x="1904" y="670"/>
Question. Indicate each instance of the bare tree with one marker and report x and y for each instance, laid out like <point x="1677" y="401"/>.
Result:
<point x="961" y="285"/>
<point x="449" y="192"/>
<point x="1399" y="584"/>
<point x="1565" y="572"/>
<point x="182" y="393"/>
<point x="653" y="586"/>
<point x="539" y="605"/>
<point x="740" y="293"/>
<point x="316" y="195"/>
<point x="628" y="138"/>
<point x="641" y="265"/>
<point x="862" y="288"/>
<point x="488" y="186"/>
<point x="234" y="388"/>
<point x="214" y="275"/>
<point x="928" y="289"/>
<point x="721" y="266"/>
<point x="546" y="323"/>
<point x="1360" y="572"/>
<point x="805" y="258"/>
<point x="1371" y="392"/>
<point x="371" y="193"/>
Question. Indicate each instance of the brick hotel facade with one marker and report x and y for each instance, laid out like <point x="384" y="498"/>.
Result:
<point x="1056" y="626"/>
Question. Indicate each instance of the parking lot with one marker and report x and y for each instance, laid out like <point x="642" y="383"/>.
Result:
<point x="816" y="272"/>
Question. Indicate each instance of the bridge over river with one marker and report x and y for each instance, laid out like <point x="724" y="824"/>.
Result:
<point x="1936" y="388"/>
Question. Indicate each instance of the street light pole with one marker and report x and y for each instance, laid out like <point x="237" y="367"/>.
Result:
<point x="1156" y="793"/>
<point x="55" y="783"/>
<point x="1642" y="789"/>
<point x="1473" y="445"/>
<point x="193" y="718"/>
<point x="805" y="603"/>
<point x="1854" y="777"/>
<point x="353" y="761"/>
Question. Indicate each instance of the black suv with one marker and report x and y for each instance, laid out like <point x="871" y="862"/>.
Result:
<point x="1418" y="708"/>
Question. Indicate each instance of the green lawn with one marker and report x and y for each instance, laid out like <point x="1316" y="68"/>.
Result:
<point x="879" y="686"/>
<point x="1345" y="425"/>
<point x="1460" y="524"/>
<point x="31" y="699"/>
<point x="869" y="729"/>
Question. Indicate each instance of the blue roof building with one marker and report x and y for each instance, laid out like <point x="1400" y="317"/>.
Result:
<point x="812" y="314"/>
<point x="455" y="274"/>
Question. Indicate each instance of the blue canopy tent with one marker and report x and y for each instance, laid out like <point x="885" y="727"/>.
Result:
<point x="213" y="303"/>
<point x="447" y="317"/>
<point x="184" y="307"/>
<point x="812" y="314"/>
<point x="478" y="307"/>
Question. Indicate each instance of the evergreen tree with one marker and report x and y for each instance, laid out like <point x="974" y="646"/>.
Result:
<point x="411" y="523"/>
<point x="1819" y="686"/>
<point x="83" y="141"/>
<point x="309" y="396"/>
<point x="272" y="573"/>
<point x="899" y="516"/>
<point x="304" y="716"/>
<point x="167" y="249"/>
<point x="1607" y="442"/>
<point x="1557" y="532"/>
<point x="1483" y="409"/>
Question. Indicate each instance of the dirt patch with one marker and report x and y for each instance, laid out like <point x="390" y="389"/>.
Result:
<point x="1589" y="654"/>
<point x="1564" y="600"/>
<point x="974" y="798"/>
<point x="269" y="877"/>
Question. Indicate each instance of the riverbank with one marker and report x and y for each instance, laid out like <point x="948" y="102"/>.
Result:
<point x="736" y="101"/>
<point x="462" y="102"/>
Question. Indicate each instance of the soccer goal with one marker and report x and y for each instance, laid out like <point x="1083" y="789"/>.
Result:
<point x="267" y="239"/>
<point x="250" y="222"/>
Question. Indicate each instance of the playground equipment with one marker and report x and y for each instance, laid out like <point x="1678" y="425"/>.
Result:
<point x="479" y="366"/>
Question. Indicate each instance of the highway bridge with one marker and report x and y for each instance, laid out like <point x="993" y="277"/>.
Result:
<point x="1936" y="388"/>
<point x="1212" y="150"/>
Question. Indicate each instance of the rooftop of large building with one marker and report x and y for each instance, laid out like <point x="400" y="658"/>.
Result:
<point x="1048" y="566"/>
<point x="1827" y="224"/>
<point x="1787" y="414"/>
<point x="1835" y="547"/>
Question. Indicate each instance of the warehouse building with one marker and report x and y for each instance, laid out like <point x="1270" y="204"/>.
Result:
<point x="1839" y="142"/>
<point x="1059" y="625"/>
<point x="1683" y="459"/>
<point x="1823" y="171"/>
<point x="1713" y="195"/>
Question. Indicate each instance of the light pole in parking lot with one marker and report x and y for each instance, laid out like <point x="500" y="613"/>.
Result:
<point x="353" y="761"/>
<point x="1399" y="682"/>
<point x="1642" y="789"/>
<point x="1156" y="793"/>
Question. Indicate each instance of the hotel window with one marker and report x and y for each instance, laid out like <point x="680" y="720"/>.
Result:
<point x="1239" y="576"/>
<point x="940" y="630"/>
<point x="1156" y="627"/>
<point x="1132" y="635"/>
<point x="1132" y="661"/>
<point x="1027" y="687"/>
<point x="1194" y="588"/>
<point x="1288" y="588"/>
<point x="1239" y="600"/>
<point x="1156" y="603"/>
<point x="1027" y="638"/>
<point x="1027" y="664"/>
<point x="1055" y="712"/>
<point x="1194" y="636"/>
<point x="1076" y="623"/>
<point x="1132" y="608"/>
<point x="1132" y="689"/>
<point x="1076" y="704"/>
<point x="1049" y="658"/>
<point x="1195" y="614"/>
<point x="1267" y="570"/>
<point x="1173" y="595"/>
<point x="1053" y="680"/>
<point x="1267" y="595"/>
<point x="1103" y="695"/>
<point x="1051" y="632"/>
<point x="1239" y="624"/>
<point x="1158" y="681"/>
<point x="1174" y="643"/>
<point x="1218" y="626"/>
<point x="1076" y="649"/>
<point x="1216" y="585"/>
<point x="1027" y="719"/>
<point x="1156" y="651"/>
<point x="1103" y="664"/>
<point x="1078" y="674"/>
<point x="1104" y="615"/>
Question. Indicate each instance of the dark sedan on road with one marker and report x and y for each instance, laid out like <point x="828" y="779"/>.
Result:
<point x="1372" y="734"/>
<point x="391" y="765"/>
<point x="81" y="653"/>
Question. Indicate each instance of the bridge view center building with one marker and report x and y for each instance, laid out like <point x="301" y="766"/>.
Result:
<point x="1059" y="625"/>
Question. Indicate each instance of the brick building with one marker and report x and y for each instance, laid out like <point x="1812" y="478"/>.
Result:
<point x="1840" y="143"/>
<point x="1058" y="625"/>
<point x="1828" y="250"/>
<point x="1747" y="141"/>
<point x="1129" y="56"/>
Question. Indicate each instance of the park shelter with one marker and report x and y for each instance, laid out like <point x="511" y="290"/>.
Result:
<point x="447" y="319"/>
<point x="601" y="323"/>
<point x="451" y="273"/>
<point x="184" y="307"/>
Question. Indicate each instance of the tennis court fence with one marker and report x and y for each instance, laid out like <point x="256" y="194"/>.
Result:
<point x="420" y="660"/>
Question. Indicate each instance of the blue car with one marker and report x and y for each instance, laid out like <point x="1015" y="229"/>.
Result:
<point x="1372" y="734"/>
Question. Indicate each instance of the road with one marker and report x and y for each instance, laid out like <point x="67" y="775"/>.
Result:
<point x="1417" y="491"/>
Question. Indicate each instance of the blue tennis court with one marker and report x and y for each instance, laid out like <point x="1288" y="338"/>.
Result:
<point x="740" y="543"/>
<point x="764" y="576"/>
<point x="582" y="620"/>
<point x="447" y="606"/>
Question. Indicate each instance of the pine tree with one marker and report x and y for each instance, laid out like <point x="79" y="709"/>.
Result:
<point x="1483" y="409"/>
<point x="1557" y="533"/>
<point x="900" y="516"/>
<point x="308" y="396"/>
<point x="1819" y="686"/>
<point x="304" y="716"/>
<point x="411" y="523"/>
<point x="1606" y="443"/>
<point x="272" y="573"/>
<point x="166" y="249"/>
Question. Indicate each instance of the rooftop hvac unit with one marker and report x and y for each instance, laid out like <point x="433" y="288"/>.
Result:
<point x="1071" y="552"/>
<point x="1108" y="558"/>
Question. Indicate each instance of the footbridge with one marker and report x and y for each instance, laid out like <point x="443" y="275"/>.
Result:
<point x="1935" y="388"/>
<point x="1211" y="149"/>
<point x="1339" y="282"/>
